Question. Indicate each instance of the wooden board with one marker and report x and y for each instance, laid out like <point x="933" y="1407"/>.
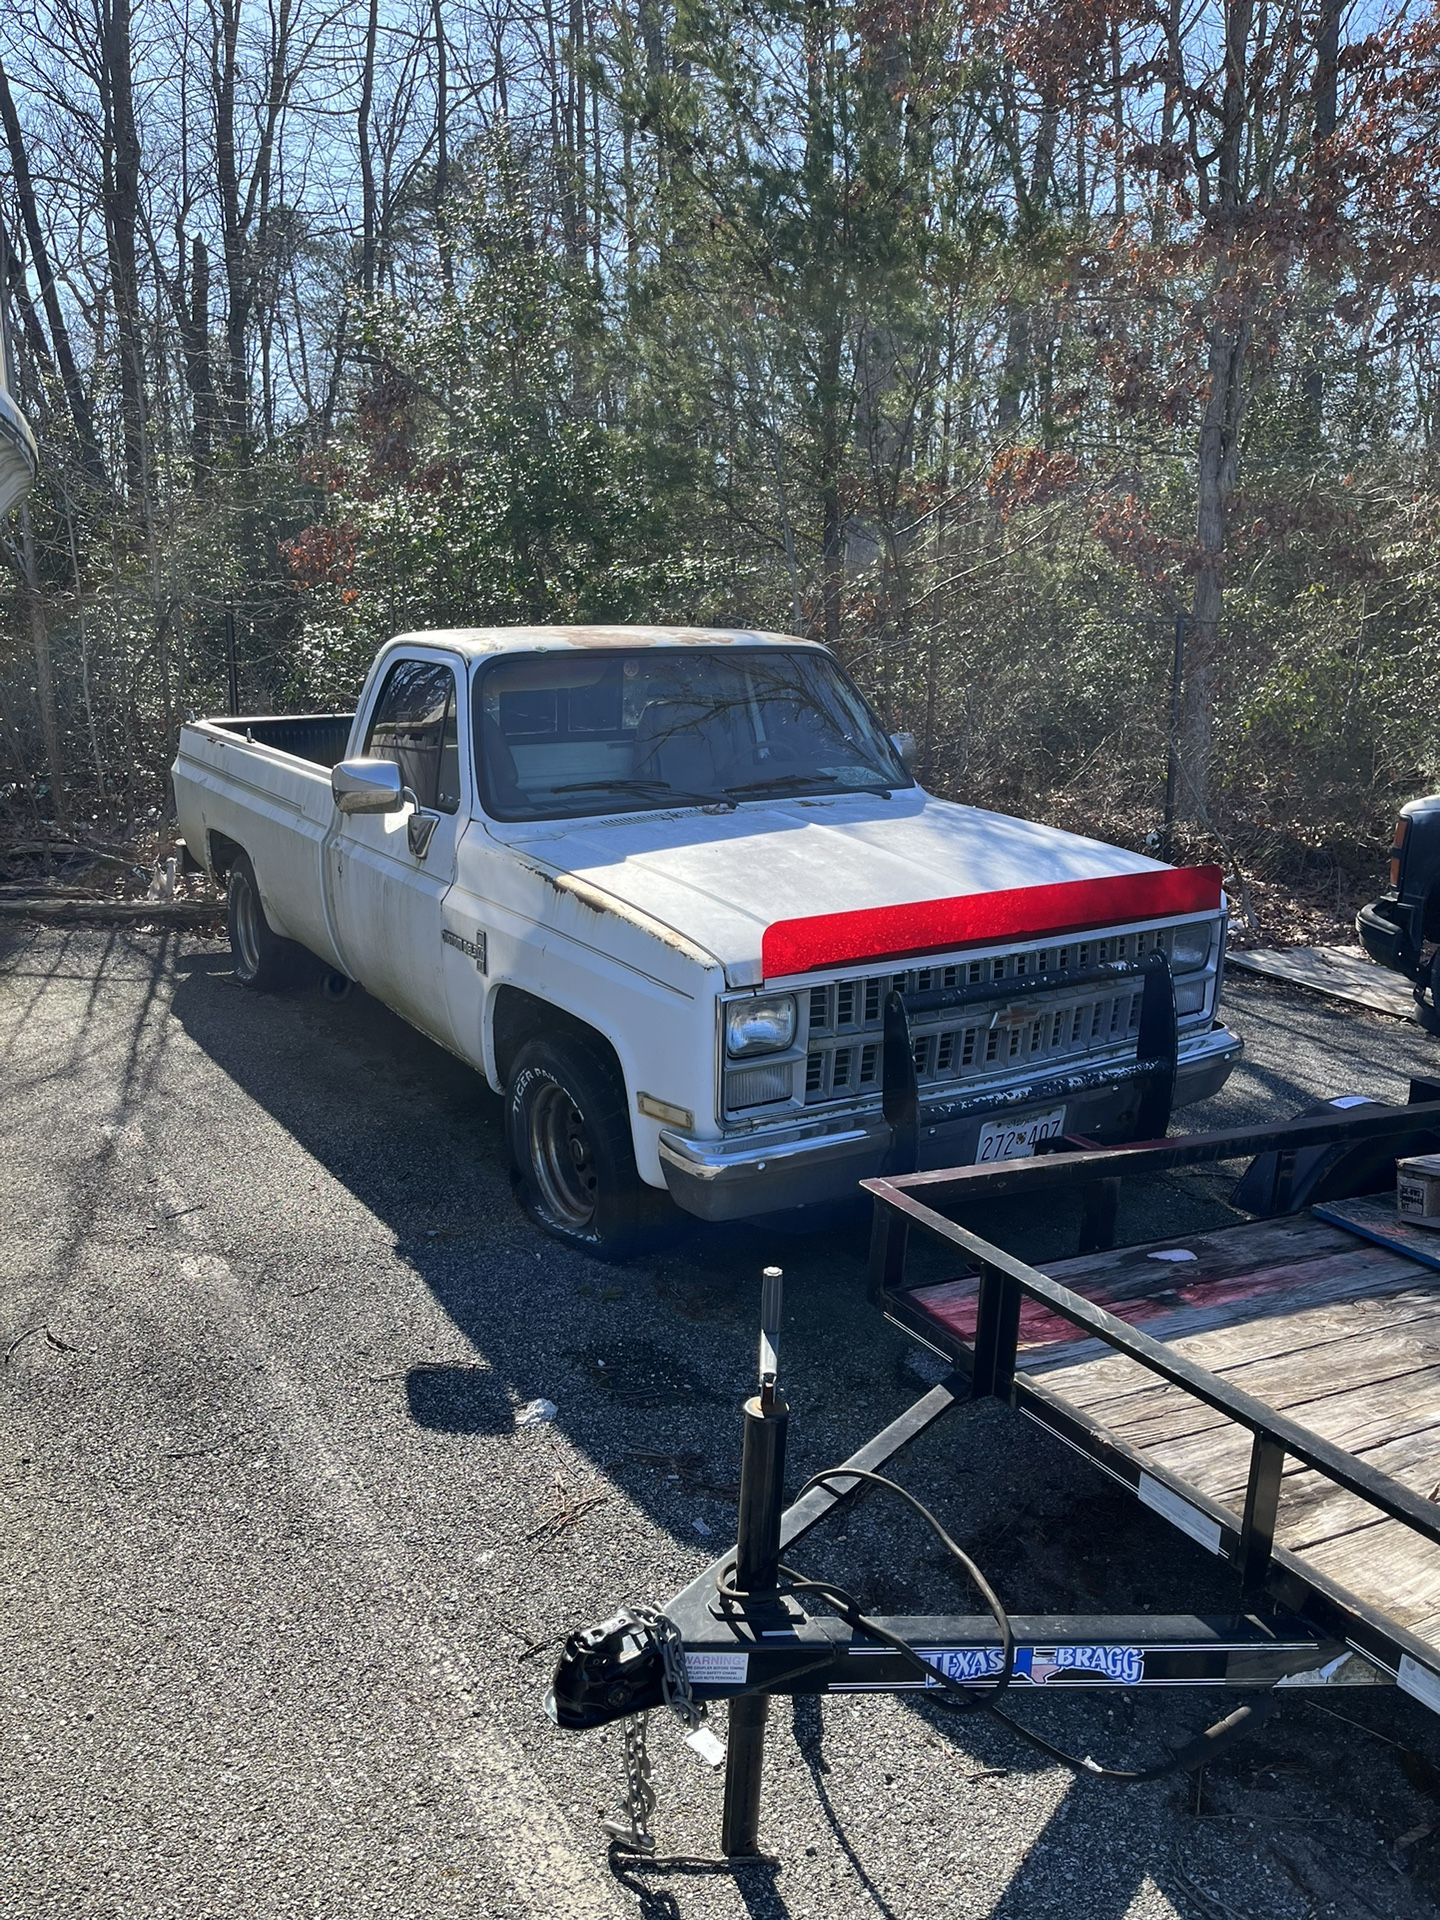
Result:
<point x="1344" y="973"/>
<point x="1304" y="1314"/>
<point x="1374" y="1218"/>
<point x="1241" y="1274"/>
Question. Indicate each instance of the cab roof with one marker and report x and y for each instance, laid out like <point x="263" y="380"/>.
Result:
<point x="478" y="641"/>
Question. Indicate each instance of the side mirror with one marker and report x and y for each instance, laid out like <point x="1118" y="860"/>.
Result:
<point x="904" y="745"/>
<point x="367" y="786"/>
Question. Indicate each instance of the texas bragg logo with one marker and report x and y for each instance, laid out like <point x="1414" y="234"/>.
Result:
<point x="1122" y="1666"/>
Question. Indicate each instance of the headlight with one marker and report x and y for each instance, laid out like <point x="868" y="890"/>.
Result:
<point x="760" y="1026"/>
<point x="1192" y="946"/>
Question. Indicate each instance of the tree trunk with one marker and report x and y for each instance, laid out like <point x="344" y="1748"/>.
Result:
<point x="1324" y="112"/>
<point x="442" y="147"/>
<point x="1033" y="195"/>
<point x="232" y="237"/>
<point x="1218" y="453"/>
<point x="91" y="462"/>
<point x="121" y="187"/>
<point x="826" y="295"/>
<point x="368" y="222"/>
<point x="194" y="314"/>
<point x="44" y="671"/>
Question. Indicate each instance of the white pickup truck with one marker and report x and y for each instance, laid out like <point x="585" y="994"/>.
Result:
<point x="676" y="895"/>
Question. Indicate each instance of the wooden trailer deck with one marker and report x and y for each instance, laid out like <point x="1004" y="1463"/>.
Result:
<point x="1311" y="1316"/>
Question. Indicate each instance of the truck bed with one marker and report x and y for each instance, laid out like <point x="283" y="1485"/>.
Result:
<point x="1311" y="1315"/>
<point x="318" y="737"/>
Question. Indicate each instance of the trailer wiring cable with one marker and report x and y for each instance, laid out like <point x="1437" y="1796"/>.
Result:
<point x="955" y="1695"/>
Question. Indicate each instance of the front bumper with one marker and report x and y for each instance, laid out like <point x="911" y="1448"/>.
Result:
<point x="822" y="1161"/>
<point x="1388" y="934"/>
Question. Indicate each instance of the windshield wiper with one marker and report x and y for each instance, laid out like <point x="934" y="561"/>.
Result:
<point x="800" y="783"/>
<point x="649" y="787"/>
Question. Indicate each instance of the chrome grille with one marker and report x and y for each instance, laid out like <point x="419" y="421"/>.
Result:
<point x="961" y="1045"/>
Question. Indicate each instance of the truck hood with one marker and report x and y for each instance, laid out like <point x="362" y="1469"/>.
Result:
<point x="720" y="879"/>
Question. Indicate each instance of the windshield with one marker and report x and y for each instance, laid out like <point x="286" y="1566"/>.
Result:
<point x="576" y="733"/>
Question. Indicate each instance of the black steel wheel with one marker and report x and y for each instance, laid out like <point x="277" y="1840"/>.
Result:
<point x="571" y="1148"/>
<point x="264" y="961"/>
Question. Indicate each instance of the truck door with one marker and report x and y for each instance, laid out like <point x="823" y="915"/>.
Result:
<point x="388" y="874"/>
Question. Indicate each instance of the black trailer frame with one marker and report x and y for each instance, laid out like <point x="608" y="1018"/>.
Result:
<point x="746" y="1637"/>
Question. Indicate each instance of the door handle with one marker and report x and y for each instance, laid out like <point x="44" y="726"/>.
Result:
<point x="419" y="831"/>
<point x="420" y="827"/>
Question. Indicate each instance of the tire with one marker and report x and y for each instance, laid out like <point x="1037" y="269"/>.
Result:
<point x="264" y="962"/>
<point x="568" y="1128"/>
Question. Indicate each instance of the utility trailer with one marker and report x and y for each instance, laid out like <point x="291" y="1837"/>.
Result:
<point x="1271" y="1388"/>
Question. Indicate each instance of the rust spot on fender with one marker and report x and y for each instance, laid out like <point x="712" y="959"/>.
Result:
<point x="596" y="901"/>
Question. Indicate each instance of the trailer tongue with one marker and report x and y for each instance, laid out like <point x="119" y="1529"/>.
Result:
<point x="1176" y="1377"/>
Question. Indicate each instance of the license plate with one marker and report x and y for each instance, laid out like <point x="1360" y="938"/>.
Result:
<point x="1016" y="1139"/>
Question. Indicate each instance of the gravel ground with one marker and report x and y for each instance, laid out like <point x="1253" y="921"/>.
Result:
<point x="275" y="1562"/>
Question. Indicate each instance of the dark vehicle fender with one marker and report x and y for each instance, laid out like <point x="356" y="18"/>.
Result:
<point x="1395" y="928"/>
<point x="1337" y="1172"/>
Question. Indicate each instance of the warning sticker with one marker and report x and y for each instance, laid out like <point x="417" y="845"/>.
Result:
<point x="718" y="1669"/>
<point x="1419" y="1682"/>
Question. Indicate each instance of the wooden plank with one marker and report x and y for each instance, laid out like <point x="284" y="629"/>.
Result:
<point x="1248" y="1317"/>
<point x="1252" y="1270"/>
<point x="1339" y="1371"/>
<point x="1388" y="1567"/>
<point x="1427" y="1627"/>
<point x="1374" y="1218"/>
<point x="1371" y="1414"/>
<point x="1313" y="1509"/>
<point x="1344" y="973"/>
<point x="1240" y="1248"/>
<point x="1120" y="1273"/>
<point x="1325" y="1348"/>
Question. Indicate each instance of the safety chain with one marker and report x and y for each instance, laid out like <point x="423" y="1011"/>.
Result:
<point x="634" y="1830"/>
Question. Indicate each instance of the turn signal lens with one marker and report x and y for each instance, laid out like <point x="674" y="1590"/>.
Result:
<point x="1397" y="850"/>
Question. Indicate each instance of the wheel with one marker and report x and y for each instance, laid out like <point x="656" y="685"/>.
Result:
<point x="568" y="1128"/>
<point x="264" y="961"/>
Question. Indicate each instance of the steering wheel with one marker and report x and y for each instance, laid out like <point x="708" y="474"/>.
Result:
<point x="764" y="753"/>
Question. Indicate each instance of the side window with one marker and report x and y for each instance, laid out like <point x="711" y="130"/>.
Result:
<point x="414" y="725"/>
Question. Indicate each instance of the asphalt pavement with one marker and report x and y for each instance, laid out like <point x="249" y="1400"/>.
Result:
<point x="280" y="1578"/>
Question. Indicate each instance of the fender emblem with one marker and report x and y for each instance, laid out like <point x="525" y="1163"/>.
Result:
<point x="475" y="948"/>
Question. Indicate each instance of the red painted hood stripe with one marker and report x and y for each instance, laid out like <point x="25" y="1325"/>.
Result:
<point x="1024" y="913"/>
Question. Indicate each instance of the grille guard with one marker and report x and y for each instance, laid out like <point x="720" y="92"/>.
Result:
<point x="1157" y="1044"/>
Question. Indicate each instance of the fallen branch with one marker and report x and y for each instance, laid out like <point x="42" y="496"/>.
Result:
<point x="99" y="912"/>
<point x="569" y="1509"/>
<point x="63" y="849"/>
<point x="51" y="1340"/>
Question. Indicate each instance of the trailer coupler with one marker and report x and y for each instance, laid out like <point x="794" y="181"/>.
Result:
<point x="606" y="1673"/>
